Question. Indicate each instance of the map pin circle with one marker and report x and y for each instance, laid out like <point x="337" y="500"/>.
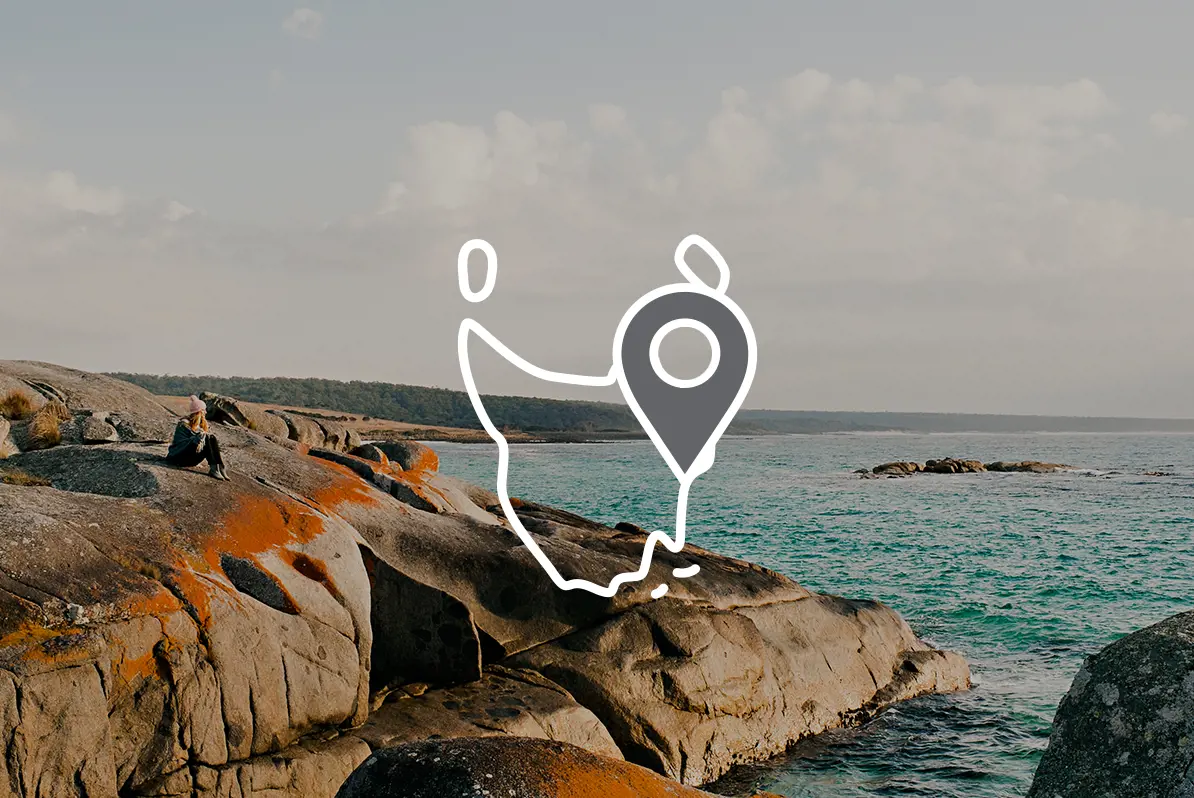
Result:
<point x="685" y="418"/>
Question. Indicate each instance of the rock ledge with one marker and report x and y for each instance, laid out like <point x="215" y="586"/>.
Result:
<point x="165" y="634"/>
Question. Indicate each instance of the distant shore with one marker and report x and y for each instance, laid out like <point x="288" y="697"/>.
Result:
<point x="749" y="424"/>
<point x="447" y="414"/>
<point x="514" y="437"/>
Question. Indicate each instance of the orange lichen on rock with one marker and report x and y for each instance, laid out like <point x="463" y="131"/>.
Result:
<point x="143" y="666"/>
<point x="526" y="767"/>
<point x="195" y="591"/>
<point x="74" y="642"/>
<point x="427" y="460"/>
<point x="348" y="488"/>
<point x="158" y="605"/>
<point x="585" y="776"/>
<point x="368" y="477"/>
<point x="415" y="480"/>
<point x="257" y="524"/>
<point x="30" y="634"/>
<point x="54" y="648"/>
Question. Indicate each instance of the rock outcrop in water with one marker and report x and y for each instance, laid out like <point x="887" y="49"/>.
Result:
<point x="1126" y="727"/>
<point x="166" y="634"/>
<point x="951" y="465"/>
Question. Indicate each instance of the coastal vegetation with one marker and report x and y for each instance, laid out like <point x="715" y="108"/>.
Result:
<point x="407" y="403"/>
<point x="413" y="404"/>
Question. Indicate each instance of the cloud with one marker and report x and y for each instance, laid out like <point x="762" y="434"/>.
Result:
<point x="449" y="166"/>
<point x="304" y="23"/>
<point x="1018" y="110"/>
<point x="57" y="195"/>
<point x="175" y="211"/>
<point x="1167" y="123"/>
<point x="608" y="119"/>
<point x="804" y="92"/>
<point x="920" y="234"/>
<point x="64" y="190"/>
<point x="737" y="149"/>
<point x="898" y="243"/>
<point x="276" y="77"/>
<point x="812" y="139"/>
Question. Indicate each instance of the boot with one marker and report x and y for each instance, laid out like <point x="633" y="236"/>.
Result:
<point x="216" y="472"/>
<point x="224" y="473"/>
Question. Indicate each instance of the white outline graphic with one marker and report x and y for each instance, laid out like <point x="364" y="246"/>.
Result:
<point x="703" y="461"/>
<point x="490" y="270"/>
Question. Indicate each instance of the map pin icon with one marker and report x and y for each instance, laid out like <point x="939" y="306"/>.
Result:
<point x="686" y="417"/>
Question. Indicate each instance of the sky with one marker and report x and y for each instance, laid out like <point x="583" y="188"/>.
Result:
<point x="925" y="206"/>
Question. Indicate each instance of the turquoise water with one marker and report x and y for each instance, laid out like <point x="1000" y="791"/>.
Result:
<point x="1023" y="573"/>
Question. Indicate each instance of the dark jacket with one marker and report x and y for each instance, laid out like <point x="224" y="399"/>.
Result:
<point x="187" y="448"/>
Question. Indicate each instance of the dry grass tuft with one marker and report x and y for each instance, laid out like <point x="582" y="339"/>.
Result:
<point x="56" y="410"/>
<point x="44" y="429"/>
<point x="14" y="477"/>
<point x="147" y="569"/>
<point x="150" y="571"/>
<point x="16" y="405"/>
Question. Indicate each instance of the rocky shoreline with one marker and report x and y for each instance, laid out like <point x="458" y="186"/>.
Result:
<point x="165" y="634"/>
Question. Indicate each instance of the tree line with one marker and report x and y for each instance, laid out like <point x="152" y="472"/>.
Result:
<point x="411" y="404"/>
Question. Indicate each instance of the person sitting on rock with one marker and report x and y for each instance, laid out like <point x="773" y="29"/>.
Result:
<point x="193" y="442"/>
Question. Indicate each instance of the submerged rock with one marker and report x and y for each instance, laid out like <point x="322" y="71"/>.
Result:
<point x="1126" y="727"/>
<point x="166" y="634"/>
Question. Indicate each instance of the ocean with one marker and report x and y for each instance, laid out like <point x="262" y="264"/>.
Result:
<point x="1024" y="574"/>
